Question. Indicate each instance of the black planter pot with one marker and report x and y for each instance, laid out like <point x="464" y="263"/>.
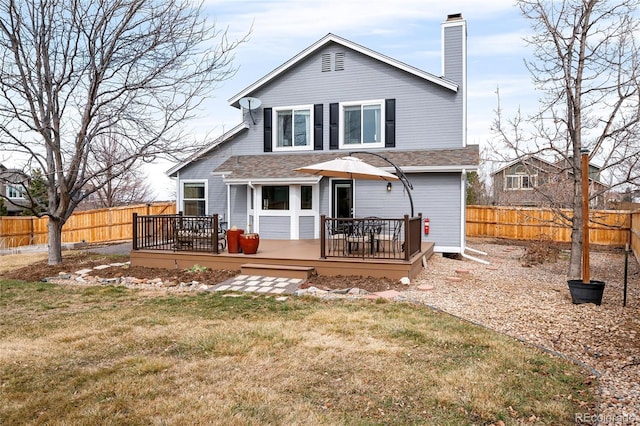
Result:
<point x="586" y="293"/>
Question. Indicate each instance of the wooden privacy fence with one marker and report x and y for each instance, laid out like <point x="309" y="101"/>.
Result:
<point x="607" y="227"/>
<point x="103" y="225"/>
<point x="635" y="234"/>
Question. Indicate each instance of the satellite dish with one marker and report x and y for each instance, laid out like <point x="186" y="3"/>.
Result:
<point x="250" y="104"/>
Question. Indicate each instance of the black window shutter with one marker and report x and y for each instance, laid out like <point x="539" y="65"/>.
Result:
<point x="317" y="127"/>
<point x="268" y="140"/>
<point x="390" y="123"/>
<point x="334" y="117"/>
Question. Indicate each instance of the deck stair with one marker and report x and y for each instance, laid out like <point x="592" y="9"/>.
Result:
<point x="281" y="271"/>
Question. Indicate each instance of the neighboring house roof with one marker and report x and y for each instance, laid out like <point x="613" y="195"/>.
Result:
<point x="332" y="38"/>
<point x="226" y="136"/>
<point x="528" y="158"/>
<point x="262" y="167"/>
<point x="531" y="159"/>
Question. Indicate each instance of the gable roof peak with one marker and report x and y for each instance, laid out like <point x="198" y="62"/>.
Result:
<point x="330" y="37"/>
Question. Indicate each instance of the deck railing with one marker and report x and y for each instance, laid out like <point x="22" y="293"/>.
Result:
<point x="365" y="238"/>
<point x="177" y="232"/>
<point x="370" y="237"/>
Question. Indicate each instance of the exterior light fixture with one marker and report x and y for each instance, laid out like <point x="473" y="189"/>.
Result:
<point x="388" y="186"/>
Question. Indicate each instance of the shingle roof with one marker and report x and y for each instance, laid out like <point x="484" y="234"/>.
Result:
<point x="279" y="166"/>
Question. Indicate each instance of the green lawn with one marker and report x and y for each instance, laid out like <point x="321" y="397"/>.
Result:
<point x="110" y="355"/>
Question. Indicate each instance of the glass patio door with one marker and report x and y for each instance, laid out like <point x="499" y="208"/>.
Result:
<point x="342" y="200"/>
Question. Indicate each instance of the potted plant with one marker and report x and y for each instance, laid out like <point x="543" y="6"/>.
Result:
<point x="249" y="243"/>
<point x="585" y="290"/>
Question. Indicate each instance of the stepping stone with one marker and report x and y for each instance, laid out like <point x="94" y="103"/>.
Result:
<point x="278" y="290"/>
<point x="83" y="271"/>
<point x="223" y="288"/>
<point x="388" y="294"/>
<point x="463" y="271"/>
<point x="454" y="279"/>
<point x="101" y="267"/>
<point x="263" y="290"/>
<point x="250" y="288"/>
<point x="425" y="287"/>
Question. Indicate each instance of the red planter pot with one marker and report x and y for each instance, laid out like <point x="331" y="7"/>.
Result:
<point x="249" y="243"/>
<point x="233" y="240"/>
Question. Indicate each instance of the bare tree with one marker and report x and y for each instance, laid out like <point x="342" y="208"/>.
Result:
<point x="119" y="184"/>
<point x="586" y="65"/>
<point x="72" y="71"/>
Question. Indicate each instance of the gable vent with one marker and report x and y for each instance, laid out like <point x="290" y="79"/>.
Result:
<point x="326" y="62"/>
<point x="339" y="66"/>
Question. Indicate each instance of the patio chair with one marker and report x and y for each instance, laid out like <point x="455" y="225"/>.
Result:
<point x="391" y="239"/>
<point x="222" y="236"/>
<point x="359" y="235"/>
<point x="337" y="234"/>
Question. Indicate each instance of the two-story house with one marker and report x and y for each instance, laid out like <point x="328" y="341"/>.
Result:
<point x="534" y="182"/>
<point x="334" y="98"/>
<point x="12" y="190"/>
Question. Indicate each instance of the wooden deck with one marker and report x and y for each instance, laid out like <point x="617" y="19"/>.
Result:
<point x="286" y="253"/>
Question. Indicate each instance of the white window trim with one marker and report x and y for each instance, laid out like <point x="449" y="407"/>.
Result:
<point x="380" y="144"/>
<point x="13" y="187"/>
<point x="274" y="126"/>
<point x="206" y="193"/>
<point x="519" y="187"/>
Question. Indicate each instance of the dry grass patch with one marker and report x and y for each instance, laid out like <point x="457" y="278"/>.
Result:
<point x="111" y="355"/>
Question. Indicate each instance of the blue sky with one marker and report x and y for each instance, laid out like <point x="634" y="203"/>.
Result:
<point x="406" y="30"/>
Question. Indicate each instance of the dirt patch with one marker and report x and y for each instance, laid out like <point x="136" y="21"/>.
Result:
<point x="78" y="261"/>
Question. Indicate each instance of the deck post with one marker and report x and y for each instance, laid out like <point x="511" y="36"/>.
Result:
<point x="134" y="232"/>
<point x="407" y="238"/>
<point x="323" y="253"/>
<point x="214" y="234"/>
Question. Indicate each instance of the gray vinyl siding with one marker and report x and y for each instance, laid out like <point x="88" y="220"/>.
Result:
<point x="275" y="227"/>
<point x="428" y="116"/>
<point x="238" y="207"/>
<point x="325" y="201"/>
<point x="201" y="170"/>
<point x="454" y="55"/>
<point x="436" y="196"/>
<point x="307" y="227"/>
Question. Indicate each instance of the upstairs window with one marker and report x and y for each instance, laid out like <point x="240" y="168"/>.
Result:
<point x="516" y="182"/>
<point x="13" y="192"/>
<point x="362" y="124"/>
<point x="293" y="130"/>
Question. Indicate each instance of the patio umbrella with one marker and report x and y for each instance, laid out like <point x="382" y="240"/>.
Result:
<point x="348" y="168"/>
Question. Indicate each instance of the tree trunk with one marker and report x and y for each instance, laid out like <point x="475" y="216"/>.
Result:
<point x="55" y="240"/>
